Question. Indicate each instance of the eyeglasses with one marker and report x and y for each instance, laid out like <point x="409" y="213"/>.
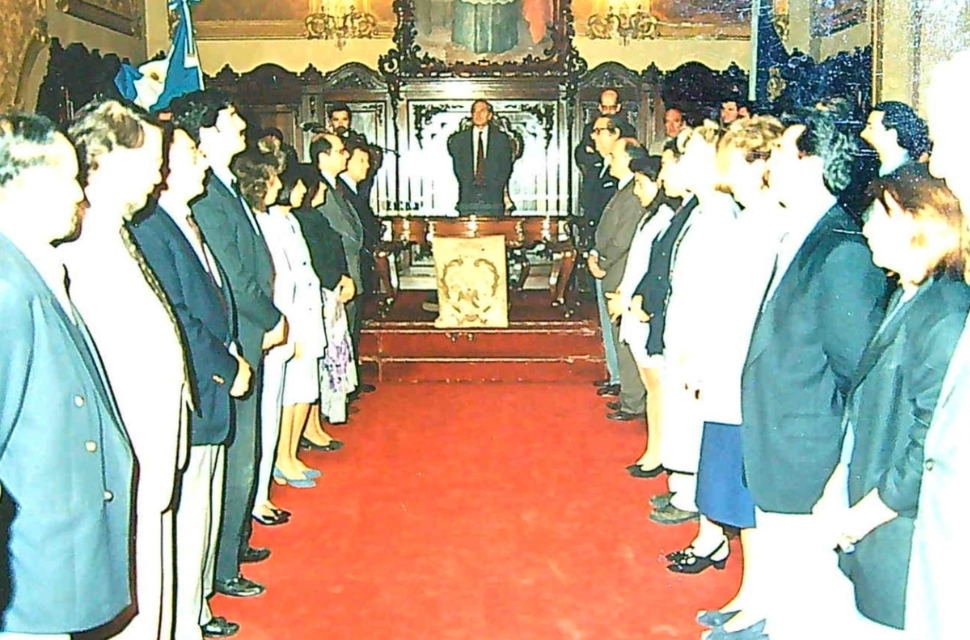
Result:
<point x="599" y="130"/>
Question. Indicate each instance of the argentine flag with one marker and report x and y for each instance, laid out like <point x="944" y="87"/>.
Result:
<point x="184" y="73"/>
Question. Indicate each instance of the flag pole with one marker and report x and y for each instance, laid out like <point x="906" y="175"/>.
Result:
<point x="755" y="30"/>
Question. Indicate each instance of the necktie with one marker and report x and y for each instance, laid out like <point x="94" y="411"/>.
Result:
<point x="480" y="161"/>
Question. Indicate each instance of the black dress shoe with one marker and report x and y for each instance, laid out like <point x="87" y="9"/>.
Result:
<point x="239" y="587"/>
<point x="602" y="383"/>
<point x="254" y="554"/>
<point x="366" y="388"/>
<point x="219" y="627"/>
<point x="333" y="445"/>
<point x="623" y="416"/>
<point x="613" y="405"/>
<point x="637" y="471"/>
<point x="609" y="390"/>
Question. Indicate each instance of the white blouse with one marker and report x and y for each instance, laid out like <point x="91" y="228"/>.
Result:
<point x="296" y="288"/>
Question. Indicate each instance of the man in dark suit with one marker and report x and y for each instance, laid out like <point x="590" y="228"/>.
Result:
<point x="824" y="302"/>
<point x="598" y="188"/>
<point x="482" y="161"/>
<point x="234" y="237"/>
<point x="199" y="294"/>
<point x="607" y="261"/>
<point x="66" y="465"/>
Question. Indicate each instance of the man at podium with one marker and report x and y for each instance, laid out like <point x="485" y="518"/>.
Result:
<point x="482" y="160"/>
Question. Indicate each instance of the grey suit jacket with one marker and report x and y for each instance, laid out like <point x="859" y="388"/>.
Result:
<point x="614" y="234"/>
<point x="805" y="347"/>
<point x="935" y="609"/>
<point x="66" y="466"/>
<point x="889" y="411"/>
<point x="344" y="220"/>
<point x="242" y="253"/>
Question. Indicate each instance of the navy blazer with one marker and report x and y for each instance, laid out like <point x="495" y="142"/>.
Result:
<point x="889" y="411"/>
<point x="325" y="245"/>
<point x="66" y="465"/>
<point x="805" y="347"/>
<point x="490" y="199"/>
<point x="206" y="315"/>
<point x="245" y="259"/>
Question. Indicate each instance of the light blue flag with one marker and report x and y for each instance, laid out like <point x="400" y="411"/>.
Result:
<point x="184" y="72"/>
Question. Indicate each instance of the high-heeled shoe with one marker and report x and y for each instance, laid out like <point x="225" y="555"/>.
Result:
<point x="281" y="512"/>
<point x="311" y="473"/>
<point x="694" y="564"/>
<point x="300" y="483"/>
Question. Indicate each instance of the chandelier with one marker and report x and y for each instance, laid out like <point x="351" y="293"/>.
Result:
<point x="624" y="23"/>
<point x="340" y="22"/>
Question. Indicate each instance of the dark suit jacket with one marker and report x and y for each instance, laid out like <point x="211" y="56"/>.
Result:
<point x="594" y="194"/>
<point x="805" y="348"/>
<point x="614" y="234"/>
<point x="345" y="221"/>
<point x="365" y="213"/>
<point x="246" y="261"/>
<point x="325" y="245"/>
<point x="206" y="316"/>
<point x="889" y="411"/>
<point x="66" y="466"/>
<point x="490" y="199"/>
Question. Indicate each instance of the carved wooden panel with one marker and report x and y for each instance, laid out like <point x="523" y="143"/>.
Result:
<point x="22" y="34"/>
<point x="124" y="16"/>
<point x="538" y="184"/>
<point x="716" y="19"/>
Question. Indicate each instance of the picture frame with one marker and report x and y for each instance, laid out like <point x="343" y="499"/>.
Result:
<point x="474" y="38"/>
<point x="123" y="16"/>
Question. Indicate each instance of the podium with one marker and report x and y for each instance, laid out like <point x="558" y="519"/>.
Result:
<point x="519" y="232"/>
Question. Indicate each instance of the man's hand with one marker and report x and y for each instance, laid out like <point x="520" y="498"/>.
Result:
<point x="244" y="376"/>
<point x="277" y="335"/>
<point x="593" y="263"/>
<point x="614" y="305"/>
<point x="297" y="350"/>
<point x="346" y="289"/>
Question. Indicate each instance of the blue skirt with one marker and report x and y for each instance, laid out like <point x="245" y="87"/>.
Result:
<point x="721" y="494"/>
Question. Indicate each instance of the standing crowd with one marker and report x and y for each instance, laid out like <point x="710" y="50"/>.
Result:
<point x="172" y="344"/>
<point x="169" y="347"/>
<point x="794" y="333"/>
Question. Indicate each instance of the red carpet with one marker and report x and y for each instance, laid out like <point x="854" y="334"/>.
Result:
<point x="479" y="511"/>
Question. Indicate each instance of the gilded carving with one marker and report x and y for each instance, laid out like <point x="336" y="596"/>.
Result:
<point x="22" y="26"/>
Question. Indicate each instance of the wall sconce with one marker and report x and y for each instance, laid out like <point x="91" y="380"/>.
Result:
<point x="330" y="22"/>
<point x="624" y="23"/>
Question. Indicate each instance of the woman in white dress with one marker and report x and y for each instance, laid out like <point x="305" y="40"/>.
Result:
<point x="289" y="378"/>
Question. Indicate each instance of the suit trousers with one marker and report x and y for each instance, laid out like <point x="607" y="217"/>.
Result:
<point x="196" y="535"/>
<point x="633" y="395"/>
<point x="810" y="597"/>
<point x="270" y="413"/>
<point x="242" y="454"/>
<point x="609" y="341"/>
<point x="154" y="570"/>
<point x="354" y="324"/>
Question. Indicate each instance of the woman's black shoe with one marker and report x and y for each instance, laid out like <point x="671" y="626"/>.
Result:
<point x="694" y="564"/>
<point x="637" y="471"/>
